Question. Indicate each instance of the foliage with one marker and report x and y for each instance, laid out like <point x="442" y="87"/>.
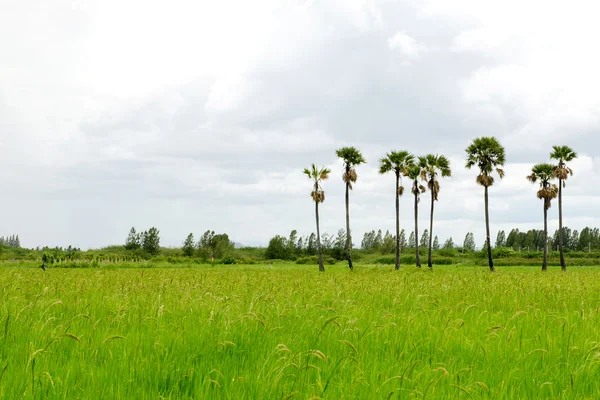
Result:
<point x="544" y="174"/>
<point x="212" y="245"/>
<point x="134" y="240"/>
<point x="424" y="239"/>
<point x="189" y="246"/>
<point x="487" y="154"/>
<point x="151" y="241"/>
<point x="469" y="243"/>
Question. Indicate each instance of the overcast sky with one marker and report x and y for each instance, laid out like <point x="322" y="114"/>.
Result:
<point x="196" y="115"/>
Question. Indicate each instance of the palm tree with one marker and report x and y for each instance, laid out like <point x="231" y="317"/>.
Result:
<point x="562" y="154"/>
<point x="317" y="175"/>
<point x="488" y="155"/>
<point x="544" y="173"/>
<point x="351" y="158"/>
<point x="414" y="174"/>
<point x="433" y="166"/>
<point x="398" y="161"/>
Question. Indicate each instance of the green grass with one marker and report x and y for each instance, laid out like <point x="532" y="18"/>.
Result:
<point x="254" y="332"/>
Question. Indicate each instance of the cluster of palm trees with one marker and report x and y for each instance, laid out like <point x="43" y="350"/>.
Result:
<point x="484" y="153"/>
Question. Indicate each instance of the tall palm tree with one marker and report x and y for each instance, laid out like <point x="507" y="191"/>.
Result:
<point x="414" y="174"/>
<point x="562" y="154"/>
<point x="351" y="158"/>
<point x="488" y="155"/>
<point x="317" y="175"/>
<point x="544" y="173"/>
<point x="432" y="167"/>
<point x="397" y="161"/>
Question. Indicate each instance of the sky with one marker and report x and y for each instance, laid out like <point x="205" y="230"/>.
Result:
<point x="198" y="115"/>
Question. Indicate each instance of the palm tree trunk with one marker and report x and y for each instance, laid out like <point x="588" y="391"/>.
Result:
<point x="487" y="231"/>
<point x="417" y="256"/>
<point x="545" y="264"/>
<point x="563" y="265"/>
<point x="348" y="235"/>
<point x="321" y="266"/>
<point x="397" y="222"/>
<point x="429" y="261"/>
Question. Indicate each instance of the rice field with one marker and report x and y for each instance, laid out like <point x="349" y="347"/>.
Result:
<point x="291" y="332"/>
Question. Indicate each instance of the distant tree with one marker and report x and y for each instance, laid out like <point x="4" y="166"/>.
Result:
<point x="574" y="240"/>
<point x="402" y="239"/>
<point x="300" y="245"/>
<point x="378" y="242"/>
<point x="501" y="239"/>
<point x="189" y="245"/>
<point x="414" y="174"/>
<point x="339" y="243"/>
<point x="212" y="245"/>
<point x="562" y="154"/>
<point x="469" y="243"/>
<point x="433" y="167"/>
<point x="487" y="154"/>
<point x="544" y="173"/>
<point x="133" y="241"/>
<point x="513" y="239"/>
<point x="205" y="250"/>
<point x="397" y="161"/>
<point x="327" y="241"/>
<point x="293" y="239"/>
<point x="412" y="242"/>
<point x="389" y="243"/>
<point x="436" y="243"/>
<point x="151" y="241"/>
<point x="351" y="158"/>
<point x="585" y="239"/>
<point x="318" y="175"/>
<point x="449" y="244"/>
<point x="311" y="246"/>
<point x="368" y="240"/>
<point x="277" y="249"/>
<point x="424" y="239"/>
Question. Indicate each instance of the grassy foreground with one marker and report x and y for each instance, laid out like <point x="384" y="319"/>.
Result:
<point x="249" y="333"/>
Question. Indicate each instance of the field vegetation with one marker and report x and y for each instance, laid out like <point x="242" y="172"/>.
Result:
<point x="288" y="331"/>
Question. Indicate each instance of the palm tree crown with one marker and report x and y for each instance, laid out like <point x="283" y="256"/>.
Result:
<point x="351" y="158"/>
<point x="414" y="173"/>
<point x="562" y="154"/>
<point x="317" y="175"/>
<point x="433" y="166"/>
<point x="488" y="155"/>
<point x="397" y="161"/>
<point x="544" y="173"/>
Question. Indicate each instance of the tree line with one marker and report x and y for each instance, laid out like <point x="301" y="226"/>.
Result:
<point x="485" y="154"/>
<point x="11" y="241"/>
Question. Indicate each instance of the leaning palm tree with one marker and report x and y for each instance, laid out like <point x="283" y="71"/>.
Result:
<point x="432" y="167"/>
<point x="397" y="161"/>
<point x="488" y="155"/>
<point x="414" y="174"/>
<point x="351" y="158"/>
<point x="562" y="154"/>
<point x="317" y="175"/>
<point x="544" y="173"/>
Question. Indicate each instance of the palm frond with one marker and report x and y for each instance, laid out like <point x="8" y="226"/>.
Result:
<point x="350" y="156"/>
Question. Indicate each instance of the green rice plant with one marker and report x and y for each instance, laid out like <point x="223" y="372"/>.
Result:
<point x="285" y="331"/>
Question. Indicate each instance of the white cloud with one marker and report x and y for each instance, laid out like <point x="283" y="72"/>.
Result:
<point x="406" y="45"/>
<point x="197" y="115"/>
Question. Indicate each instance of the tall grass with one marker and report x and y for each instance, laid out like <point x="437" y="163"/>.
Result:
<point x="246" y="333"/>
